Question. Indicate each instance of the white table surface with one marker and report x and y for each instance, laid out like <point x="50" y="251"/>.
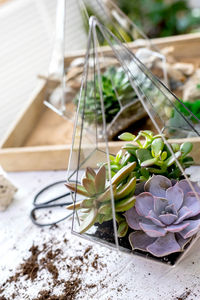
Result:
<point x="126" y="277"/>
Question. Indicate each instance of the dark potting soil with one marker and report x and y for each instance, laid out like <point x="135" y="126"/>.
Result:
<point x="105" y="232"/>
<point x="46" y="258"/>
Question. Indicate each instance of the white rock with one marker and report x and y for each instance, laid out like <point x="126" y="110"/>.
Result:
<point x="190" y="90"/>
<point x="7" y="190"/>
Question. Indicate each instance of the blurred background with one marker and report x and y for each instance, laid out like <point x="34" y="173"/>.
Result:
<point x="26" y="38"/>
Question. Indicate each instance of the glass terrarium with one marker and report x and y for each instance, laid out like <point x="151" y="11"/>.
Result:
<point x="135" y="194"/>
<point x="64" y="76"/>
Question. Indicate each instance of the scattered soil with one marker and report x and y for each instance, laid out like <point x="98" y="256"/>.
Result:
<point x="47" y="258"/>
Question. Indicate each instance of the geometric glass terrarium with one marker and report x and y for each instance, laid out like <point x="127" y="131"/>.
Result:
<point x="63" y="81"/>
<point x="133" y="195"/>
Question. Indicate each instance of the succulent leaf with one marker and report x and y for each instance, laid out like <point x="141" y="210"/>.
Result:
<point x="100" y="180"/>
<point x="172" y="159"/>
<point x="105" y="209"/>
<point x="77" y="188"/>
<point x="125" y="204"/>
<point x="126" y="189"/>
<point x="123" y="173"/>
<point x="90" y="173"/>
<point x="149" y="162"/>
<point x="143" y="155"/>
<point x="89" y="221"/>
<point x="87" y="203"/>
<point x="157" y="146"/>
<point x="186" y="148"/>
<point x="122" y="229"/>
<point x="74" y="206"/>
<point x="89" y="186"/>
<point x="107" y="194"/>
<point x="126" y="136"/>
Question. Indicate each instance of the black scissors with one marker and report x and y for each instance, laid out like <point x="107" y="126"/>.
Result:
<point x="49" y="204"/>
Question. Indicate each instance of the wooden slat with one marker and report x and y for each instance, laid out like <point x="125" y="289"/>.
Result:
<point x="180" y="43"/>
<point x="56" y="157"/>
<point x="27" y="119"/>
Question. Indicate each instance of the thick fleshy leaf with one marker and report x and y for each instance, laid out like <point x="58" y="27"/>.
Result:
<point x="139" y="240"/>
<point x="157" y="146"/>
<point x="171" y="209"/>
<point x="144" y="203"/>
<point x="182" y="242"/>
<point x="90" y="173"/>
<point x="175" y="196"/>
<point x="159" y="205"/>
<point x="126" y="189"/>
<point x="172" y="159"/>
<point x="164" y="245"/>
<point x="149" y="162"/>
<point x="184" y="185"/>
<point x="107" y="194"/>
<point x="192" y="203"/>
<point x="157" y="185"/>
<point x="126" y="136"/>
<point x="183" y="213"/>
<point x="152" y="230"/>
<point x="123" y="173"/>
<point x="143" y="155"/>
<point x="87" y="203"/>
<point x="154" y="218"/>
<point x="77" y="188"/>
<point x="75" y="206"/>
<point x="89" y="186"/>
<point x="122" y="229"/>
<point x="88" y="221"/>
<point x="100" y="180"/>
<point x="168" y="219"/>
<point x="177" y="227"/>
<point x="133" y="219"/>
<point x="105" y="209"/>
<point x="186" y="148"/>
<point x="125" y="204"/>
<point x="191" y="229"/>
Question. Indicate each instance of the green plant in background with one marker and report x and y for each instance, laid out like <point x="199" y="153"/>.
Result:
<point x="96" y="207"/>
<point x="152" y="156"/>
<point x="194" y="107"/>
<point x="158" y="18"/>
<point x="115" y="87"/>
<point x="114" y="26"/>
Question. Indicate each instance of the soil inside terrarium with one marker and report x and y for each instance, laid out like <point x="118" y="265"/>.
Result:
<point x="105" y="232"/>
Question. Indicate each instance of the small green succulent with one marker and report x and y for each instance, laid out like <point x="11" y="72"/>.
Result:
<point x="115" y="87"/>
<point x="96" y="207"/>
<point x="152" y="156"/>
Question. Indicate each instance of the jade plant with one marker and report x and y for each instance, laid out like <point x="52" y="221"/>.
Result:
<point x="152" y="156"/>
<point x="115" y="87"/>
<point x="165" y="217"/>
<point x="97" y="191"/>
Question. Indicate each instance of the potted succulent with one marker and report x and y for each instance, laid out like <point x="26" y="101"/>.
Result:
<point x="156" y="209"/>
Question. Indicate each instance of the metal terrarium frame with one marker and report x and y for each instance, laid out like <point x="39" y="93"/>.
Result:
<point x="99" y="215"/>
<point x="58" y="91"/>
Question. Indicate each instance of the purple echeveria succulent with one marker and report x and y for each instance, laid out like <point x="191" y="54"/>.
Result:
<point x="165" y="216"/>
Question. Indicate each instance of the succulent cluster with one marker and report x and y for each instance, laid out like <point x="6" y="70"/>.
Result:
<point x="165" y="217"/>
<point x="97" y="206"/>
<point x="115" y="87"/>
<point x="152" y="156"/>
<point x="149" y="192"/>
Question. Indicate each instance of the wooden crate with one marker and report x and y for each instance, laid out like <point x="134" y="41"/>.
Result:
<point x="41" y="140"/>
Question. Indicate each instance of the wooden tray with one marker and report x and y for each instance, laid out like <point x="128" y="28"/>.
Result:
<point x="41" y="140"/>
